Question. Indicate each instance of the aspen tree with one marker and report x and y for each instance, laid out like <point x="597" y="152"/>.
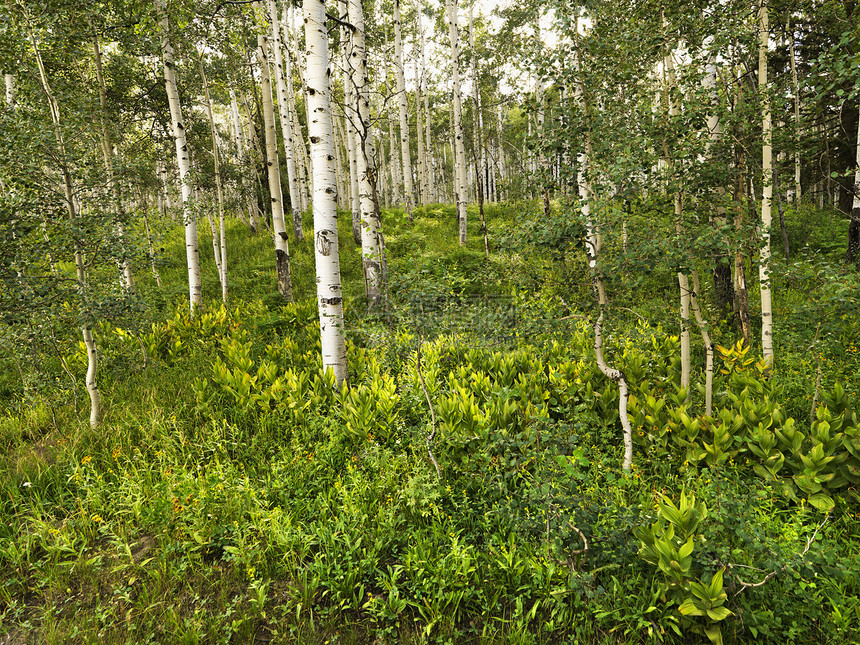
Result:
<point x="10" y="89"/>
<point x="796" y="90"/>
<point x="432" y="193"/>
<point x="286" y="121"/>
<point x="304" y="161"/>
<point x="183" y="161"/>
<point x="72" y="209"/>
<point x="683" y="282"/>
<point x="329" y="294"/>
<point x="371" y="245"/>
<point x="477" y="129"/>
<point x="219" y="235"/>
<point x="460" y="189"/>
<point x="108" y="157"/>
<point x="593" y="244"/>
<point x="244" y="158"/>
<point x="419" y="131"/>
<point x="351" y="130"/>
<point x="282" y="251"/>
<point x="767" y="189"/>
<point x="400" y="80"/>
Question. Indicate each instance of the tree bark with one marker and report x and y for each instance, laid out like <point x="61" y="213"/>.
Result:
<point x="371" y="248"/>
<point x="71" y="207"/>
<point x="460" y="187"/>
<point x="219" y="236"/>
<point x="282" y="251"/>
<point x="593" y="243"/>
<point x="108" y="156"/>
<point x="400" y="79"/>
<point x="183" y="161"/>
<point x="329" y="294"/>
<point x="767" y="190"/>
<point x="286" y="122"/>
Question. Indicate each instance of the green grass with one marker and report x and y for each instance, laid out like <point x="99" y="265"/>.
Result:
<point x="203" y="513"/>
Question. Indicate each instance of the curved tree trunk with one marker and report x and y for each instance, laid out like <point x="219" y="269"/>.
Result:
<point x="593" y="243"/>
<point x="80" y="268"/>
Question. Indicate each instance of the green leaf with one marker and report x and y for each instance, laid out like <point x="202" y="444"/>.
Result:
<point x="689" y="608"/>
<point x="714" y="634"/>
<point x="822" y="501"/>
<point x="719" y="613"/>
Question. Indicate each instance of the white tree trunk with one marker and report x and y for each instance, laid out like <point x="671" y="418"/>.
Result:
<point x="796" y="88"/>
<point x="460" y="184"/>
<point x="286" y="120"/>
<point x="400" y="79"/>
<point x="80" y="268"/>
<point x="329" y="294"/>
<point x="244" y="159"/>
<point x="419" y="131"/>
<point x="767" y="189"/>
<point x="593" y="243"/>
<point x="10" y="89"/>
<point x="396" y="184"/>
<point x="108" y="157"/>
<point x="303" y="161"/>
<point x="432" y="194"/>
<point x="371" y="245"/>
<point x="350" y="114"/>
<point x="683" y="281"/>
<point x="282" y="251"/>
<point x="709" y="346"/>
<point x="183" y="161"/>
<point x="219" y="235"/>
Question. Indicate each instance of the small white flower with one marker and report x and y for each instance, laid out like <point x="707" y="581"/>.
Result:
<point x="26" y="484"/>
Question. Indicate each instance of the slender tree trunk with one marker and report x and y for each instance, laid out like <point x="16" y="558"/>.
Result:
<point x="854" y="225"/>
<point x="419" y="138"/>
<point x="400" y="79"/>
<point x="80" y="269"/>
<point x="144" y="209"/>
<point x="796" y="88"/>
<point x="431" y="192"/>
<point x="245" y="159"/>
<point x="282" y="252"/>
<point x="10" y="89"/>
<point x="219" y="236"/>
<point x="108" y="156"/>
<point x="706" y="339"/>
<point x="593" y="243"/>
<point x="286" y="121"/>
<point x="460" y="188"/>
<point x="351" y="119"/>
<point x="183" y="161"/>
<point x="370" y="242"/>
<point x="329" y="294"/>
<point x="767" y="190"/>
<point x="396" y="168"/>
<point x="304" y="161"/>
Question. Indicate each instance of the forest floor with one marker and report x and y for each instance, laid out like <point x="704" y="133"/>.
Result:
<point x="232" y="495"/>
